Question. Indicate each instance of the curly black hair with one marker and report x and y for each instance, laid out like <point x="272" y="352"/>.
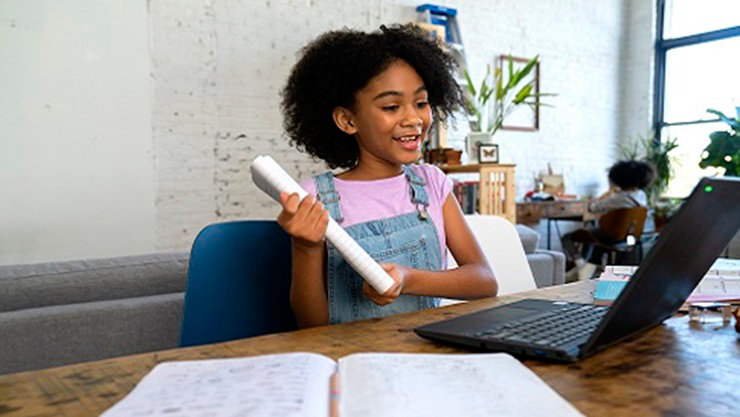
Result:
<point x="333" y="67"/>
<point x="631" y="174"/>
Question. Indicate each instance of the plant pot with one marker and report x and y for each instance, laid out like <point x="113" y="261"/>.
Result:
<point x="660" y="222"/>
<point x="439" y="156"/>
<point x="452" y="156"/>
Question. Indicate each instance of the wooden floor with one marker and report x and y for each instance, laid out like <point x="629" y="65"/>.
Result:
<point x="675" y="369"/>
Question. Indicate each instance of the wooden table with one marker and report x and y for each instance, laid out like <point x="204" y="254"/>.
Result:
<point x="674" y="369"/>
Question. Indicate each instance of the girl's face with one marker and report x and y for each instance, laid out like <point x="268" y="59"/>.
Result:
<point x="390" y="120"/>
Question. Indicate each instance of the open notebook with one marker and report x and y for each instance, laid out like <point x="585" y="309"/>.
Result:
<point x="272" y="179"/>
<point x="369" y="384"/>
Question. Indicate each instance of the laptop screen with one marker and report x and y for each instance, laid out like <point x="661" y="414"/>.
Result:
<point x="684" y="252"/>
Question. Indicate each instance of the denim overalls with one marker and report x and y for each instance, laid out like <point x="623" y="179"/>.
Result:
<point x="409" y="239"/>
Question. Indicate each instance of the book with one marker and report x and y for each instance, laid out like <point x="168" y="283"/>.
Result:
<point x="720" y="283"/>
<point x="272" y="179"/>
<point x="365" y="384"/>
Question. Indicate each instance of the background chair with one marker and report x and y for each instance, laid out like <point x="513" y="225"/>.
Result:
<point x="618" y="234"/>
<point x="238" y="283"/>
<point x="502" y="246"/>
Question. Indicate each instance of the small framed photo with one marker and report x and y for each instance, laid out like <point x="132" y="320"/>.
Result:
<point x="488" y="153"/>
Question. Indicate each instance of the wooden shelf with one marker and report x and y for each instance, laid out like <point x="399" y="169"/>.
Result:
<point x="497" y="187"/>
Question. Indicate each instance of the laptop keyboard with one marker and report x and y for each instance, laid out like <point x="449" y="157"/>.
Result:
<point x="552" y="328"/>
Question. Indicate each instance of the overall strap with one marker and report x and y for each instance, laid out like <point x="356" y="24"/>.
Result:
<point x="418" y="193"/>
<point x="328" y="195"/>
<point x="634" y="200"/>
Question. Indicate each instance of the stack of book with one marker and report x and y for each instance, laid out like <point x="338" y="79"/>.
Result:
<point x="467" y="194"/>
<point x="721" y="283"/>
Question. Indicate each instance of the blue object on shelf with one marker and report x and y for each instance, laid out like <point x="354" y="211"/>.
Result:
<point x="436" y="9"/>
<point x="442" y="16"/>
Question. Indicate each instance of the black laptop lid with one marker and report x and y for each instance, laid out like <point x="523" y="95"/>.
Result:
<point x="685" y="251"/>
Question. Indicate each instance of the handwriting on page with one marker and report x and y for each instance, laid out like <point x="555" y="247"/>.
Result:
<point x="269" y="386"/>
<point x="444" y="385"/>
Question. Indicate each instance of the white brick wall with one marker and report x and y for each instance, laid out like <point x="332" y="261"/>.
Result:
<point x="218" y="67"/>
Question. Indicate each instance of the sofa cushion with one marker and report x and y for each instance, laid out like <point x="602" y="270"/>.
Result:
<point x="59" y="335"/>
<point x="70" y="282"/>
<point x="529" y="237"/>
<point x="548" y="267"/>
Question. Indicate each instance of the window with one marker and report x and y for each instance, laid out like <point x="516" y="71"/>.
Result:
<point x="696" y="69"/>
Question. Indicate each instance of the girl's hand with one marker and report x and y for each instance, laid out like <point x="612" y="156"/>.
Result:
<point x="305" y="220"/>
<point x="399" y="274"/>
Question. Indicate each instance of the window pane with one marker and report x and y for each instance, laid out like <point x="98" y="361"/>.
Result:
<point x="692" y="139"/>
<point x="689" y="17"/>
<point x="702" y="76"/>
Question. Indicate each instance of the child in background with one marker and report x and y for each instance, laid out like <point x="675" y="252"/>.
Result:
<point x="627" y="180"/>
<point x="364" y="102"/>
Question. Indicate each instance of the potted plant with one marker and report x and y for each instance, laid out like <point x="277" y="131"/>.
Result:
<point x="663" y="209"/>
<point x="516" y="91"/>
<point x="724" y="149"/>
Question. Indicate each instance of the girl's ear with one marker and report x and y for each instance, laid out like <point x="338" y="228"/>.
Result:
<point x="343" y="120"/>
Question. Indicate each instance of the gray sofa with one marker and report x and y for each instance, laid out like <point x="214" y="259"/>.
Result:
<point x="548" y="266"/>
<point x="65" y="312"/>
<point x="59" y="313"/>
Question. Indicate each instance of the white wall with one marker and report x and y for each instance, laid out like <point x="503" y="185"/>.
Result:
<point x="76" y="173"/>
<point x="217" y="67"/>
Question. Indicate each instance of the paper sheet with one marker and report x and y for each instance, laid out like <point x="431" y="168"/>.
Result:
<point x="272" y="179"/>
<point x="477" y="385"/>
<point x="290" y="385"/>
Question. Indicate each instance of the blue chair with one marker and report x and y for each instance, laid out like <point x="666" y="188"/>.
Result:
<point x="238" y="283"/>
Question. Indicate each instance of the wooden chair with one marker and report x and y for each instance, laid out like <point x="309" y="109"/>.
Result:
<point x="618" y="234"/>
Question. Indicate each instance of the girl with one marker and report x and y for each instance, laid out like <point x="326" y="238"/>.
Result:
<point x="364" y="102"/>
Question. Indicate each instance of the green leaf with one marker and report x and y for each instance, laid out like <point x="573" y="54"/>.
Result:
<point x="721" y="146"/>
<point x="499" y="87"/>
<point x="484" y="93"/>
<point x="485" y="97"/>
<point x="735" y="124"/>
<point x="522" y="94"/>
<point x="527" y="68"/>
<point x="471" y="87"/>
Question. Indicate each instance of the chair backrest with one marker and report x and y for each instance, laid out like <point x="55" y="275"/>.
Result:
<point x="238" y="283"/>
<point x="620" y="223"/>
<point x="500" y="243"/>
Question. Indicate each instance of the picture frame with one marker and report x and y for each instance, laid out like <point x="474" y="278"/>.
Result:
<point x="488" y="153"/>
<point x="523" y="118"/>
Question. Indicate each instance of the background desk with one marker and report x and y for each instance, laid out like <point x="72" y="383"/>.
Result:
<point x="531" y="212"/>
<point x="673" y="369"/>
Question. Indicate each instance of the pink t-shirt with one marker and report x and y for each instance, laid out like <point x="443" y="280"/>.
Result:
<point x="363" y="201"/>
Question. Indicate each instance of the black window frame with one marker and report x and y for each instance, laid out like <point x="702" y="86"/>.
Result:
<point x="662" y="46"/>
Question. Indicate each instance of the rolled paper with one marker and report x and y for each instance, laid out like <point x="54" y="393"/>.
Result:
<point x="270" y="177"/>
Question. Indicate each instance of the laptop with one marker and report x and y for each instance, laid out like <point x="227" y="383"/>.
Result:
<point x="565" y="331"/>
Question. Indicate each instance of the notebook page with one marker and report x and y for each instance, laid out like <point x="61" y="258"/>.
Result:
<point x="272" y="179"/>
<point x="473" y="385"/>
<point x="291" y="385"/>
